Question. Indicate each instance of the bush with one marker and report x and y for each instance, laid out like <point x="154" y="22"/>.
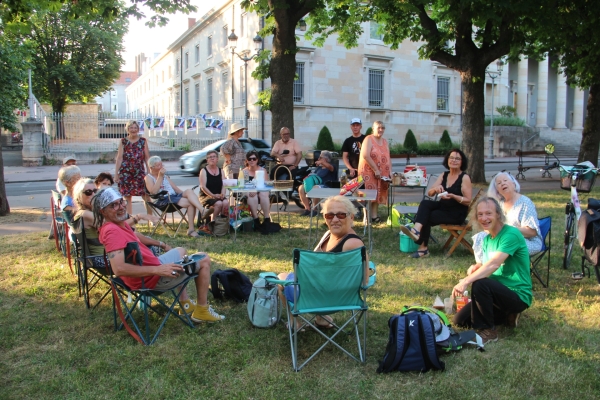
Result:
<point x="369" y="131"/>
<point x="325" y="142"/>
<point x="445" y="140"/>
<point x="410" y="141"/>
<point x="507" y="111"/>
<point x="397" y="148"/>
<point x="505" y="121"/>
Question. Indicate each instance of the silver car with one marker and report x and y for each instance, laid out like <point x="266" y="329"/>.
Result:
<point x="194" y="161"/>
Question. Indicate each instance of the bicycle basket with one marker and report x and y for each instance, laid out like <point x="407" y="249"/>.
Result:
<point x="585" y="182"/>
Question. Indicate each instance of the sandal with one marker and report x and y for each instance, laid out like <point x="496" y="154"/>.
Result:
<point x="287" y="326"/>
<point x="420" y="254"/>
<point x="193" y="234"/>
<point x="327" y="325"/>
<point x="410" y="232"/>
<point x="376" y="220"/>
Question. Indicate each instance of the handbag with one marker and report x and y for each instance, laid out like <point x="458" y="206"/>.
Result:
<point x="220" y="226"/>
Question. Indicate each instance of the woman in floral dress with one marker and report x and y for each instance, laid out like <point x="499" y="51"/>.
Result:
<point x="132" y="164"/>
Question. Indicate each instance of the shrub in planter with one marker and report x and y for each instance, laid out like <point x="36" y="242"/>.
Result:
<point x="445" y="140"/>
<point x="369" y="131"/>
<point x="325" y="142"/>
<point x="410" y="141"/>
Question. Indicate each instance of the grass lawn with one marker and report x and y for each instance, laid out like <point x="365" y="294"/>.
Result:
<point x="52" y="347"/>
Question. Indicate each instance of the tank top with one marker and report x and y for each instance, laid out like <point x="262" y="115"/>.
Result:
<point x="338" y="247"/>
<point x="165" y="185"/>
<point x="455" y="188"/>
<point x="214" y="183"/>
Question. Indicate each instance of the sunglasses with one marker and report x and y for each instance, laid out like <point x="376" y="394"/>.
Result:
<point x="117" y="204"/>
<point x="90" y="192"/>
<point x="339" y="215"/>
<point x="252" y="159"/>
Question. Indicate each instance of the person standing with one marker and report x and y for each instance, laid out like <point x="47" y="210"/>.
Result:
<point x="287" y="152"/>
<point x="132" y="164"/>
<point x="351" y="147"/>
<point x="374" y="164"/>
<point x="233" y="151"/>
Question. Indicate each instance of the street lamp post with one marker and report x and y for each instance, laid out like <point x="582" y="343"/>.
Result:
<point x="493" y="76"/>
<point x="232" y="38"/>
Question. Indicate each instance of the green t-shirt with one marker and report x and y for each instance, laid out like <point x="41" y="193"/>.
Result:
<point x="514" y="273"/>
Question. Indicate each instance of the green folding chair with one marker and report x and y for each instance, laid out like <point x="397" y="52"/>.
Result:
<point x="328" y="283"/>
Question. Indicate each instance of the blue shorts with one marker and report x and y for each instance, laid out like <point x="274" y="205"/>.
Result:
<point x="288" y="291"/>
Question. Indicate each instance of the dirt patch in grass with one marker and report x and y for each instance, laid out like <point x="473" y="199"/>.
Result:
<point x="19" y="215"/>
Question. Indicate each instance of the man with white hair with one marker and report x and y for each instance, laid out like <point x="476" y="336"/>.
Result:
<point x="159" y="273"/>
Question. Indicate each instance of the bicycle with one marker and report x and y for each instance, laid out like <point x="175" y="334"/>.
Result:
<point x="577" y="178"/>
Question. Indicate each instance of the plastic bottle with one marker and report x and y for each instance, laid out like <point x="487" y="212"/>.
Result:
<point x="462" y="301"/>
<point x="241" y="181"/>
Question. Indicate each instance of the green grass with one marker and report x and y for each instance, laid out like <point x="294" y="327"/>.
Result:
<point x="52" y="347"/>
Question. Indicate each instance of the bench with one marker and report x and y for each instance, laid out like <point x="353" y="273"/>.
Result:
<point x="545" y="168"/>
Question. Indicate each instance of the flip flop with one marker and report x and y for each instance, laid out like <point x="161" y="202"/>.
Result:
<point x="329" y="324"/>
<point x="287" y="326"/>
<point x="411" y="232"/>
<point x="420" y="254"/>
<point x="193" y="234"/>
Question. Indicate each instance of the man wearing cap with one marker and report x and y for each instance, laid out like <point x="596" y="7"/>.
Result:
<point x="159" y="273"/>
<point x="287" y="151"/>
<point x="351" y="147"/>
<point x="233" y="151"/>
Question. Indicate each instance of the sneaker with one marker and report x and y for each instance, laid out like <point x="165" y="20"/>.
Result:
<point x="188" y="306"/>
<point x="512" y="320"/>
<point x="305" y="213"/>
<point x="206" y="314"/>
<point x="488" y="335"/>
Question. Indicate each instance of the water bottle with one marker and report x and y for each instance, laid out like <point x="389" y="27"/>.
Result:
<point x="241" y="181"/>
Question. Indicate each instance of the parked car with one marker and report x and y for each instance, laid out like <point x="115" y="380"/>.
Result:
<point x="194" y="161"/>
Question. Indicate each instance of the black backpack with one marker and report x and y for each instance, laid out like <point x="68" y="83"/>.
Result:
<point x="411" y="344"/>
<point x="230" y="284"/>
<point x="589" y="232"/>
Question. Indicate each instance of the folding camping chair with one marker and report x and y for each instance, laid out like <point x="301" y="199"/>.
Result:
<point x="545" y="230"/>
<point x="144" y="297"/>
<point x="314" y="294"/>
<point x="60" y="226"/>
<point x="458" y="232"/>
<point x="163" y="211"/>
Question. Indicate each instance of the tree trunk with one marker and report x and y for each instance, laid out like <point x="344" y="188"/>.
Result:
<point x="282" y="71"/>
<point x="4" y="206"/>
<point x="473" y="123"/>
<point x="590" y="137"/>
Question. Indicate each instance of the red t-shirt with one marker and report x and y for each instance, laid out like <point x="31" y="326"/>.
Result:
<point x="115" y="237"/>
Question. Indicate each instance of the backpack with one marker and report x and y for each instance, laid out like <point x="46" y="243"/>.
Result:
<point x="230" y="284"/>
<point x="589" y="232"/>
<point x="264" y="307"/>
<point x="411" y="344"/>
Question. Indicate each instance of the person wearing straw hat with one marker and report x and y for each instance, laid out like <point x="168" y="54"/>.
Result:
<point x="233" y="151"/>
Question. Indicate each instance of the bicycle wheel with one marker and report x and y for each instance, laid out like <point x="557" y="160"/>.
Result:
<point x="569" y="238"/>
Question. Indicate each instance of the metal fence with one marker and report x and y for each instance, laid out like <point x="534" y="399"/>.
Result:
<point x="67" y="132"/>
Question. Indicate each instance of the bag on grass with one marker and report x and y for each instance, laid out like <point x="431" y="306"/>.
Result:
<point x="230" y="284"/>
<point x="264" y="307"/>
<point x="220" y="226"/>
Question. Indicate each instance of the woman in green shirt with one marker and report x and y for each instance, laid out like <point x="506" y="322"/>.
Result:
<point x="501" y="283"/>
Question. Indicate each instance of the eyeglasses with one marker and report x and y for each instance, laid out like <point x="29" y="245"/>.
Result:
<point x="117" y="204"/>
<point x="90" y="192"/>
<point x="454" y="158"/>
<point x="252" y="159"/>
<point x="339" y="215"/>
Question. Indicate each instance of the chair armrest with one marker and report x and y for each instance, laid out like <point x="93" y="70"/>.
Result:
<point x="271" y="277"/>
<point x="372" y="277"/>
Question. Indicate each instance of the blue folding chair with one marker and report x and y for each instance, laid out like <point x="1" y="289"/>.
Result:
<point x="536" y="265"/>
<point x="328" y="283"/>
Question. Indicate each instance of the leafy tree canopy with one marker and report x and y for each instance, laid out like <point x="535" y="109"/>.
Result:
<point x="13" y="73"/>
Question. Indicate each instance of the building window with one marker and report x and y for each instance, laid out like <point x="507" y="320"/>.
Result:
<point x="299" y="84"/>
<point x="242" y="87"/>
<point x="177" y="67"/>
<point x="156" y="80"/>
<point x="115" y="108"/>
<point x="186" y="60"/>
<point x="197" y="54"/>
<point x="225" y="80"/>
<point x="177" y="103"/>
<point x="209" y="46"/>
<point x="376" y="88"/>
<point x="127" y="79"/>
<point x="225" y="36"/>
<point x="443" y="93"/>
<point x="197" y="99"/>
<point x="113" y="93"/>
<point x="186" y="102"/>
<point x="374" y="31"/>
<point x="170" y="72"/>
<point x="209" y="94"/>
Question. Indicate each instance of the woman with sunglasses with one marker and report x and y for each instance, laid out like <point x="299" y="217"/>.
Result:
<point x="519" y="211"/>
<point x="254" y="198"/>
<point x="84" y="191"/>
<point x="452" y="208"/>
<point x="339" y="213"/>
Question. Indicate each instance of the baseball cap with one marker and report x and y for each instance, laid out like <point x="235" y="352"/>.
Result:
<point x="69" y="158"/>
<point x="355" y="121"/>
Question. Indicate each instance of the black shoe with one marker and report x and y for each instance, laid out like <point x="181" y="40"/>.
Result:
<point x="257" y="225"/>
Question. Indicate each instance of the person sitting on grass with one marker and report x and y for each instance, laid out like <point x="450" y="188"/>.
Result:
<point x="159" y="273"/>
<point x="323" y="173"/>
<point x="501" y="284"/>
<point x="339" y="213"/>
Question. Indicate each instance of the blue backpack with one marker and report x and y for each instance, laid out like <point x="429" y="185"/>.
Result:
<point x="411" y="344"/>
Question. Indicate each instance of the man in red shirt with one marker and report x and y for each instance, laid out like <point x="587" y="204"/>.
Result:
<point x="160" y="273"/>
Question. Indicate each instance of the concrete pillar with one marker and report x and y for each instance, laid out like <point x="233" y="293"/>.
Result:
<point x="578" y="109"/>
<point x="561" y="102"/>
<point x="522" y="89"/>
<point x="542" y="100"/>
<point x="33" y="151"/>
